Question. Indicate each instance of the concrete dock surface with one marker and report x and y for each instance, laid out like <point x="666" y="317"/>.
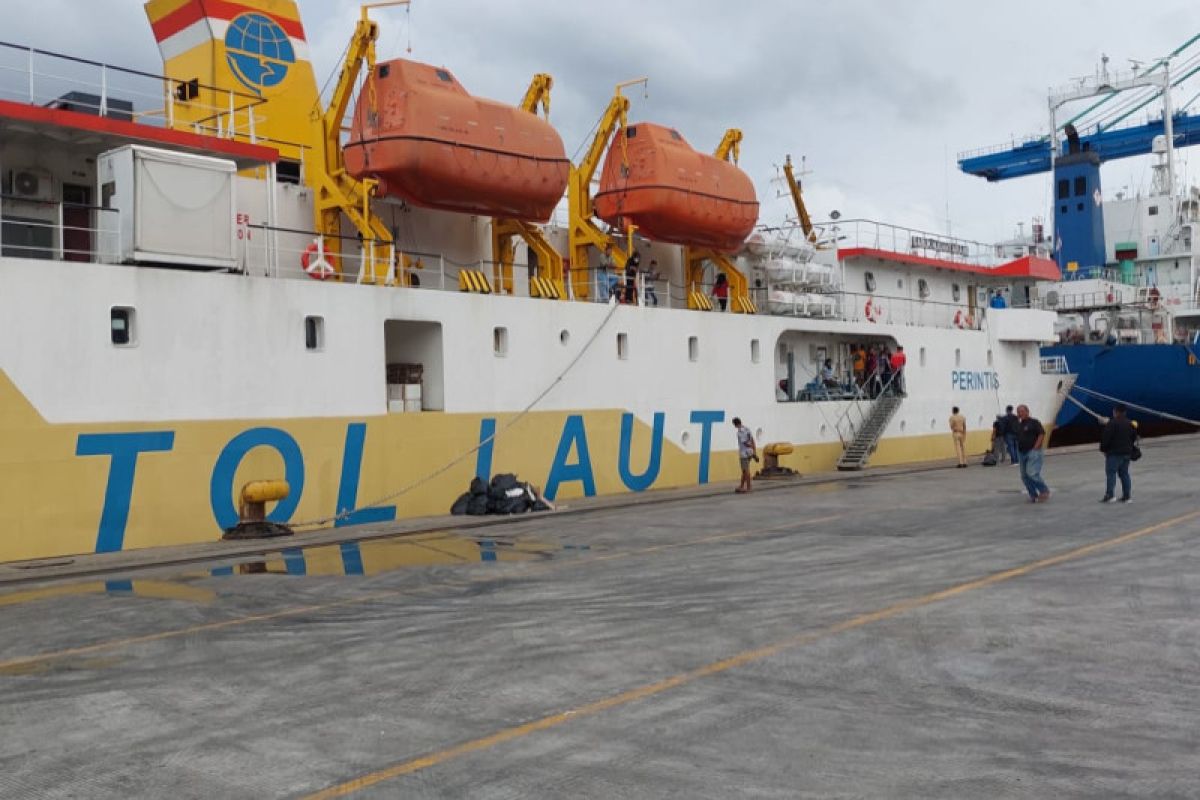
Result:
<point x="927" y="635"/>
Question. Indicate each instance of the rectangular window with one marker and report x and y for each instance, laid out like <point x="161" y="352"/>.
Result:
<point x="922" y="356"/>
<point x="314" y="333"/>
<point x="1152" y="211"/>
<point x="623" y="346"/>
<point x="500" y="342"/>
<point x="1064" y="189"/>
<point x="1080" y="186"/>
<point x="755" y="353"/>
<point x="693" y="348"/>
<point x="121" y="326"/>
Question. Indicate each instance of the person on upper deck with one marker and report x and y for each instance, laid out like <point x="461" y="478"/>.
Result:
<point x="898" y="362"/>
<point x="997" y="300"/>
<point x="858" y="355"/>
<point x="631" y="272"/>
<point x="720" y="290"/>
<point x="827" y="377"/>
<point x="649" y="278"/>
<point x="872" y="373"/>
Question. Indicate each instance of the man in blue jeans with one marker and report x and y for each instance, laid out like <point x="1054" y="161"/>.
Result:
<point x="1116" y="442"/>
<point x="1030" y="437"/>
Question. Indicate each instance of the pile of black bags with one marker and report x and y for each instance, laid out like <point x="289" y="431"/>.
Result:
<point x="504" y="495"/>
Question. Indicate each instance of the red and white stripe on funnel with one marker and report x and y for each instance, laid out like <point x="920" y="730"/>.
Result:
<point x="199" y="21"/>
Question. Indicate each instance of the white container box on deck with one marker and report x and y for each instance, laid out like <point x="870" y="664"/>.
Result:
<point x="396" y="391"/>
<point x="173" y="208"/>
<point x="412" y="405"/>
<point x="395" y="406"/>
<point x="412" y="391"/>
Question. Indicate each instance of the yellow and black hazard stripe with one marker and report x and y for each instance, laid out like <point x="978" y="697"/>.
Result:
<point x="544" y="287"/>
<point x="699" y="301"/>
<point x="742" y="304"/>
<point x="472" y="280"/>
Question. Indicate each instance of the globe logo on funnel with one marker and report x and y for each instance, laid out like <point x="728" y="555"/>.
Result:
<point x="259" y="51"/>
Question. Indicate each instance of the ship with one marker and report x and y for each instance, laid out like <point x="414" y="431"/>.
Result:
<point x="216" y="282"/>
<point x="1129" y="297"/>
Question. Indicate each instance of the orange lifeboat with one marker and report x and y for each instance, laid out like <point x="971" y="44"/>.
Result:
<point x="653" y="179"/>
<point x="428" y="141"/>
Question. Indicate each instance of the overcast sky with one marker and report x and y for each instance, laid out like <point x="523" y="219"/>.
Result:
<point x="878" y="96"/>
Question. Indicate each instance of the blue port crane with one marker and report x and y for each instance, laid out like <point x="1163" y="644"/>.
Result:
<point x="1115" y="125"/>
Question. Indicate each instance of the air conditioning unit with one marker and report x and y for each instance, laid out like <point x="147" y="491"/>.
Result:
<point x="32" y="184"/>
<point x="1051" y="299"/>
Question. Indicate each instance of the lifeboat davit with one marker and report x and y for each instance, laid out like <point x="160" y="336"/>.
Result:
<point x="428" y="141"/>
<point x="653" y="179"/>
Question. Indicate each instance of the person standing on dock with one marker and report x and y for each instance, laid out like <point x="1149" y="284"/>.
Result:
<point x="958" y="431"/>
<point x="1012" y="426"/>
<point x="1117" y="442"/>
<point x="1030" y="438"/>
<point x="747" y="451"/>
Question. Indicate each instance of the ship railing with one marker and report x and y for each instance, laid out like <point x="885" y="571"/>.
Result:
<point x="55" y="80"/>
<point x="865" y="233"/>
<point x="1054" y="365"/>
<point x="48" y="229"/>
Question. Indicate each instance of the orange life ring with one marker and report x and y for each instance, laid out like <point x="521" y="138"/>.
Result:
<point x="1154" y="296"/>
<point x="316" y="271"/>
<point x="962" y="320"/>
<point x="871" y="310"/>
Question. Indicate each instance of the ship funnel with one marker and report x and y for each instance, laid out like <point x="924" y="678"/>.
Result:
<point x="249" y="54"/>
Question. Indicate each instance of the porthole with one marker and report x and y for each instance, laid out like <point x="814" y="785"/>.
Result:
<point x="564" y="337"/>
<point x="500" y="342"/>
<point x="122" y="326"/>
<point x="869" y="280"/>
<point x="922" y="288"/>
<point x="758" y="434"/>
<point x="693" y="348"/>
<point x="755" y="352"/>
<point x="955" y="292"/>
<point x="685" y="437"/>
<point x="903" y="424"/>
<point x="623" y="346"/>
<point x="314" y="333"/>
<point x="957" y="357"/>
<point x="921" y="355"/>
<point x="989" y="358"/>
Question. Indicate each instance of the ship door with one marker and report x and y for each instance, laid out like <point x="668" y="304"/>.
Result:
<point x="77" y="223"/>
<point x="973" y="301"/>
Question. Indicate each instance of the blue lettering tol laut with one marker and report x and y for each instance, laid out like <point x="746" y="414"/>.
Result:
<point x="356" y="434"/>
<point x="573" y="436"/>
<point x="639" y="483"/>
<point x="707" y="419"/>
<point x="483" y="457"/>
<point x="124" y="449"/>
<point x="221" y="485"/>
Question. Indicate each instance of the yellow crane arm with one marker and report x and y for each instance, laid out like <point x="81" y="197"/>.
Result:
<point x="730" y="147"/>
<point x="798" y="200"/>
<point x="538" y="94"/>
<point x="362" y="48"/>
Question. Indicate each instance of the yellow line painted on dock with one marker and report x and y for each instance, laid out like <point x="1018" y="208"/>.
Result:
<point x="741" y="659"/>
<point x="173" y="633"/>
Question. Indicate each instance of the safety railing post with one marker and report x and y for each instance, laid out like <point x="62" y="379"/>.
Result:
<point x="103" y="90"/>
<point x="32" y="96"/>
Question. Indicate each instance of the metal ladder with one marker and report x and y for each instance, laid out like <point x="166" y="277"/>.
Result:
<point x="866" y="438"/>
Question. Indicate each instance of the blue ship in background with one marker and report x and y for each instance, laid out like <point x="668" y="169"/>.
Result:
<point x="1129" y="320"/>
